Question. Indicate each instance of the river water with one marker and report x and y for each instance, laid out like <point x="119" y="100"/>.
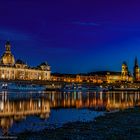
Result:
<point x="34" y="111"/>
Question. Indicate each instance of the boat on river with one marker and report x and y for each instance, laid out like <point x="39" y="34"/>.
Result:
<point x="71" y="88"/>
<point x="81" y="88"/>
<point x="21" y="87"/>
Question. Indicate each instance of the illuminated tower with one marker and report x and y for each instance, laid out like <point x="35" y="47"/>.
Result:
<point x="7" y="57"/>
<point x="125" y="72"/>
<point x="136" y="70"/>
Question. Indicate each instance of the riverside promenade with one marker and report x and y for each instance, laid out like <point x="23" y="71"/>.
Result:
<point x="60" y="84"/>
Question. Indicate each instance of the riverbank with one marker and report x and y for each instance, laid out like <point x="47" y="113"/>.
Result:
<point x="118" y="125"/>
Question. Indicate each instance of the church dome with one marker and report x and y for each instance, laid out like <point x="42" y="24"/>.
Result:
<point x="7" y="58"/>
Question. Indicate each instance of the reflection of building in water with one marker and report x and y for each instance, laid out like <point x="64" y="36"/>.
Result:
<point x="15" y="110"/>
<point x="97" y="101"/>
<point x="18" y="70"/>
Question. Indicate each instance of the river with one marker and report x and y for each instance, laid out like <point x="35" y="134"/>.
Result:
<point x="34" y="111"/>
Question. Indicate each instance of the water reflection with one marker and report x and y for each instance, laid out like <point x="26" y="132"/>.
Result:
<point x="17" y="106"/>
<point x="97" y="101"/>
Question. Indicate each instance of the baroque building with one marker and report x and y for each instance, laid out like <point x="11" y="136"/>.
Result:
<point x="11" y="69"/>
<point x="125" y="72"/>
<point x="118" y="77"/>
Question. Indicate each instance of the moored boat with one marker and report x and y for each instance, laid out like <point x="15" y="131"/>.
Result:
<point x="21" y="87"/>
<point x="82" y="88"/>
<point x="69" y="88"/>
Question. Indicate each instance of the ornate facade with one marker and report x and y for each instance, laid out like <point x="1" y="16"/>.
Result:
<point x="11" y="69"/>
<point x="123" y="76"/>
<point x="125" y="72"/>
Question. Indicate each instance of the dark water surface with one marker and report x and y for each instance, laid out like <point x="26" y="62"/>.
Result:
<point x="32" y="111"/>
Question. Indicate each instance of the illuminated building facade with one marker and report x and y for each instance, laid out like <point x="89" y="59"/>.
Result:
<point x="125" y="72"/>
<point x="79" y="78"/>
<point x="123" y="76"/>
<point x="96" y="77"/>
<point x="11" y="69"/>
<point x="136" y="71"/>
<point x="113" y="77"/>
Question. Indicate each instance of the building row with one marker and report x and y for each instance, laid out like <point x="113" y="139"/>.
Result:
<point x="103" y="76"/>
<point x="15" y="69"/>
<point x="12" y="69"/>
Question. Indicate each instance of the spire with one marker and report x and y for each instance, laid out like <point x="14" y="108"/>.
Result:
<point x="8" y="46"/>
<point x="136" y="61"/>
<point x="136" y="70"/>
<point x="7" y="43"/>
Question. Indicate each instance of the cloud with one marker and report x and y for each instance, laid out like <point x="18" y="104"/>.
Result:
<point x="8" y="34"/>
<point x="85" y="23"/>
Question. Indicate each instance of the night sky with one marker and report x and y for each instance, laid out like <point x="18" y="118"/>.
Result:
<point x="72" y="35"/>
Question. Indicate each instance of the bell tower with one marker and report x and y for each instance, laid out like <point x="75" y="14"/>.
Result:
<point x="136" y="70"/>
<point x="125" y="72"/>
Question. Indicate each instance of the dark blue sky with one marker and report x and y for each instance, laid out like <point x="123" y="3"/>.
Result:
<point x="72" y="35"/>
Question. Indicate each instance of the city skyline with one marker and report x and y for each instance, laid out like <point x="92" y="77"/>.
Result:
<point x="73" y="36"/>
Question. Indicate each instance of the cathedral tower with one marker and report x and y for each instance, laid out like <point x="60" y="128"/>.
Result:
<point x="136" y="70"/>
<point x="125" y="73"/>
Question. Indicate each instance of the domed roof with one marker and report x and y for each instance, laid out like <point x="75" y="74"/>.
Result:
<point x="7" y="58"/>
